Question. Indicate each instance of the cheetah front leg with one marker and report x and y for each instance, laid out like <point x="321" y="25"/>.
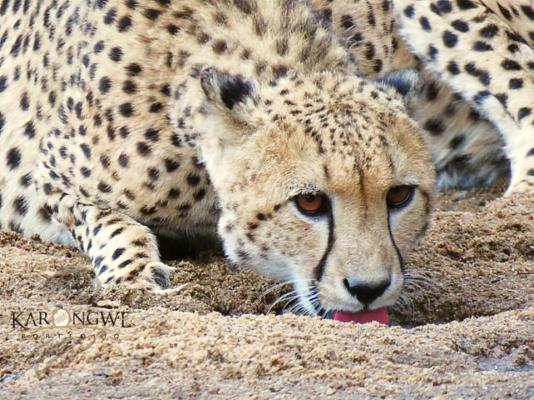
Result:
<point x="477" y="54"/>
<point x="121" y="250"/>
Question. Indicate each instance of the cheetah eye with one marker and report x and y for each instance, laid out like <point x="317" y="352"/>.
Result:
<point x="399" y="196"/>
<point x="316" y="204"/>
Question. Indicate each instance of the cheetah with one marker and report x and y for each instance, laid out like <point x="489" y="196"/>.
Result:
<point x="251" y="119"/>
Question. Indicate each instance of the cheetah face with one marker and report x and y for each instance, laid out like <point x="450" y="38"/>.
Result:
<point x="323" y="182"/>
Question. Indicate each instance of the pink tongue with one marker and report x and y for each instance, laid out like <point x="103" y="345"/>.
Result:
<point x="362" y="317"/>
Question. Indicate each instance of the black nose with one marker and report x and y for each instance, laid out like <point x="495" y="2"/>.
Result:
<point x="366" y="292"/>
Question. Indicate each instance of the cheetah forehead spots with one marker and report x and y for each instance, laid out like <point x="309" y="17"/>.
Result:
<point x="322" y="132"/>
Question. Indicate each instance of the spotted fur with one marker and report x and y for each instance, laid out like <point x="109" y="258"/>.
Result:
<point x="484" y="50"/>
<point x="119" y="118"/>
<point x="472" y="142"/>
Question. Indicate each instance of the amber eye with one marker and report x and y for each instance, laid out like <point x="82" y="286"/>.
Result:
<point x="399" y="196"/>
<point x="312" y="204"/>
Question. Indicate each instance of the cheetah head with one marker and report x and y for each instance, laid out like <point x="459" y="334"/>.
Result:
<point x="323" y="181"/>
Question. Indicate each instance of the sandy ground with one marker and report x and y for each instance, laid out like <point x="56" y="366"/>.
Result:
<point x="464" y="329"/>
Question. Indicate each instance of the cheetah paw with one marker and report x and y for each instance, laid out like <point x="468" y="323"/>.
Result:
<point x="155" y="277"/>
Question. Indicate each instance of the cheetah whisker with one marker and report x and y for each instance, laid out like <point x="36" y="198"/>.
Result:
<point x="287" y="297"/>
<point x="274" y="287"/>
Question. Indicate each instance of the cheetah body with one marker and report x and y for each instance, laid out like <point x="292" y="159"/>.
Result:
<point x="119" y="118"/>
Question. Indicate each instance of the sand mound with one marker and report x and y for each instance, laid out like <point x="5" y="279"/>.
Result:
<point x="464" y="327"/>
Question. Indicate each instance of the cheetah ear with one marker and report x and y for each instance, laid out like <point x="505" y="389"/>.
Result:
<point x="408" y="82"/>
<point x="232" y="95"/>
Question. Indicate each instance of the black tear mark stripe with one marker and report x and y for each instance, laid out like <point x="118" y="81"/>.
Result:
<point x="426" y="197"/>
<point x="399" y="255"/>
<point x="319" y="269"/>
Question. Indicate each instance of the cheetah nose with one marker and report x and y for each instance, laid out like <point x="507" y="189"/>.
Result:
<point x="365" y="292"/>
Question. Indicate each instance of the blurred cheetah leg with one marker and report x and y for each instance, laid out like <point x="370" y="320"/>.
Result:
<point x="483" y="60"/>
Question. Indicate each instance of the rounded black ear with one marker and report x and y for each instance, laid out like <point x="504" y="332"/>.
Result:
<point x="224" y="89"/>
<point x="406" y="82"/>
<point x="234" y="105"/>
